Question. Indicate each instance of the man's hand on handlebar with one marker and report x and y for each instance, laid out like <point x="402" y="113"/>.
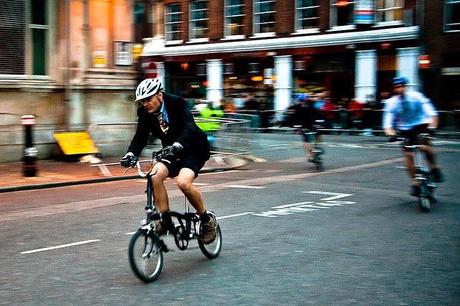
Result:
<point x="170" y="151"/>
<point x="129" y="160"/>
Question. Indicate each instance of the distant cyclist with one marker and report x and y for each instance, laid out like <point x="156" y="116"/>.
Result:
<point x="411" y="113"/>
<point x="168" y="118"/>
<point x="305" y="118"/>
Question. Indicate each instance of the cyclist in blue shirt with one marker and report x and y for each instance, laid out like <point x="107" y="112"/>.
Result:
<point x="411" y="113"/>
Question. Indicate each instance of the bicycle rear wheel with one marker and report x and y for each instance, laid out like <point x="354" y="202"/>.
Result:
<point x="145" y="255"/>
<point x="212" y="249"/>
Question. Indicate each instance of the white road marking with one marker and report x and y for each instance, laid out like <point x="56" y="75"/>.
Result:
<point x="60" y="246"/>
<point x="235" y="215"/>
<point x="335" y="195"/>
<point x="300" y="207"/>
<point x="246" y="187"/>
<point x="293" y="204"/>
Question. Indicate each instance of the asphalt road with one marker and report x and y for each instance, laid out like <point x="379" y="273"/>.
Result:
<point x="350" y="235"/>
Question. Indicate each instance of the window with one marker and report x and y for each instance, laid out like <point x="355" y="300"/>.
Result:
<point x="173" y="20"/>
<point x="39" y="30"/>
<point x="342" y="12"/>
<point x="452" y="15"/>
<point x="12" y="36"/>
<point x="390" y="10"/>
<point x="264" y="16"/>
<point x="307" y="14"/>
<point x="198" y="19"/>
<point x="234" y="14"/>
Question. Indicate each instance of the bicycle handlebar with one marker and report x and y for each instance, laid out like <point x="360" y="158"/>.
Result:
<point x="157" y="156"/>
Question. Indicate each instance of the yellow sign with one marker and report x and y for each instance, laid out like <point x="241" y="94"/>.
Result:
<point x="137" y="51"/>
<point x="72" y="143"/>
<point x="99" y="59"/>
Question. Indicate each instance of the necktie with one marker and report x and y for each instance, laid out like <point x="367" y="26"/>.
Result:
<point x="163" y="124"/>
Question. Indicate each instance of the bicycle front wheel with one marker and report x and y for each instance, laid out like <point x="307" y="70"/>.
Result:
<point x="424" y="203"/>
<point x="212" y="249"/>
<point x="424" y="199"/>
<point x="145" y="256"/>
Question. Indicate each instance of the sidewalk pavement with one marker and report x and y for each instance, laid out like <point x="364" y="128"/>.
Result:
<point x="52" y="173"/>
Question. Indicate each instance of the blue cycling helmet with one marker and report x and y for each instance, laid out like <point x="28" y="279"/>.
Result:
<point x="399" y="81"/>
<point x="303" y="97"/>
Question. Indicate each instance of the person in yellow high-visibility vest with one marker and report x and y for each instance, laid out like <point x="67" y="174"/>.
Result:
<point x="209" y="121"/>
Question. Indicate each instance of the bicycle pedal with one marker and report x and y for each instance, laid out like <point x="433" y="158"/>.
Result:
<point x="163" y="246"/>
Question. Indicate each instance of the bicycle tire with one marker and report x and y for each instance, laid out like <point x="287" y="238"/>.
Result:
<point x="425" y="204"/>
<point x="424" y="199"/>
<point x="145" y="256"/>
<point x="319" y="165"/>
<point x="212" y="250"/>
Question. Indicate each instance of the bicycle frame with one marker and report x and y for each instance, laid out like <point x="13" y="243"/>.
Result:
<point x="422" y="171"/>
<point x="185" y="230"/>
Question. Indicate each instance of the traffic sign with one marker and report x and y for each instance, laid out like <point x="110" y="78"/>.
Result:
<point x="150" y="69"/>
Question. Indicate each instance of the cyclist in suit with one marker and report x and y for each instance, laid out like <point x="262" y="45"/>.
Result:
<point x="168" y="118"/>
<point x="411" y="113"/>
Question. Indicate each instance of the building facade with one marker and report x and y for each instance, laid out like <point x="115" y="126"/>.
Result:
<point x="69" y="63"/>
<point x="440" y="43"/>
<point x="274" y="48"/>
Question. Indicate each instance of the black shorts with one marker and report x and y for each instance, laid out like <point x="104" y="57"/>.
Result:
<point x="412" y="134"/>
<point x="193" y="162"/>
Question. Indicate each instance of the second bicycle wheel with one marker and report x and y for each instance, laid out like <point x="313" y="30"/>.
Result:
<point x="212" y="249"/>
<point x="145" y="256"/>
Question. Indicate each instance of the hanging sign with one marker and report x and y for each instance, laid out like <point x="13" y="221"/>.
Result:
<point x="364" y="11"/>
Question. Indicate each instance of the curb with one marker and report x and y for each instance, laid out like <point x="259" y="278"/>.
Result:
<point x="90" y="181"/>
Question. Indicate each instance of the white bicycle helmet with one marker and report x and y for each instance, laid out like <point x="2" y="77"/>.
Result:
<point x="148" y="88"/>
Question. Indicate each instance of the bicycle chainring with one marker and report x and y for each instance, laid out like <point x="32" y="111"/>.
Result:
<point x="180" y="237"/>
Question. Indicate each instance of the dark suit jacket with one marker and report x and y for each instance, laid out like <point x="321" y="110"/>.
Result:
<point x="182" y="128"/>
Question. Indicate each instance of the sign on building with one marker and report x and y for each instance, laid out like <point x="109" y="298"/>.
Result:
<point x="100" y="59"/>
<point x="123" y="52"/>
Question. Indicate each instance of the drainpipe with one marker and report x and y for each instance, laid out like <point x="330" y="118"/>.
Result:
<point x="68" y="72"/>
<point x="86" y="57"/>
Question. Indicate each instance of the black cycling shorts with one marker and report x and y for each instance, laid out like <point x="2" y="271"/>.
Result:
<point x="193" y="162"/>
<point x="412" y="134"/>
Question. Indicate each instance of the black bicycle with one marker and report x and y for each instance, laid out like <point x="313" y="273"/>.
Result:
<point x="146" y="249"/>
<point x="422" y="171"/>
<point x="317" y="151"/>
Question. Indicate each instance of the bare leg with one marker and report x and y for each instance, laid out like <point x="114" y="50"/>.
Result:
<point x="410" y="166"/>
<point x="193" y="194"/>
<point x="429" y="151"/>
<point x="309" y="149"/>
<point x="160" y="193"/>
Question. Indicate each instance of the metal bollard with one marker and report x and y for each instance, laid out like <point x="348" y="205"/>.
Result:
<point x="30" y="152"/>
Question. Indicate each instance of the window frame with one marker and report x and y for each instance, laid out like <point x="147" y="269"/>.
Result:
<point x="46" y="27"/>
<point x="381" y="11"/>
<point x="447" y="24"/>
<point x="298" y="27"/>
<point x="168" y="32"/>
<point x="255" y="17"/>
<point x="227" y="33"/>
<point x="334" y="20"/>
<point x="192" y="30"/>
